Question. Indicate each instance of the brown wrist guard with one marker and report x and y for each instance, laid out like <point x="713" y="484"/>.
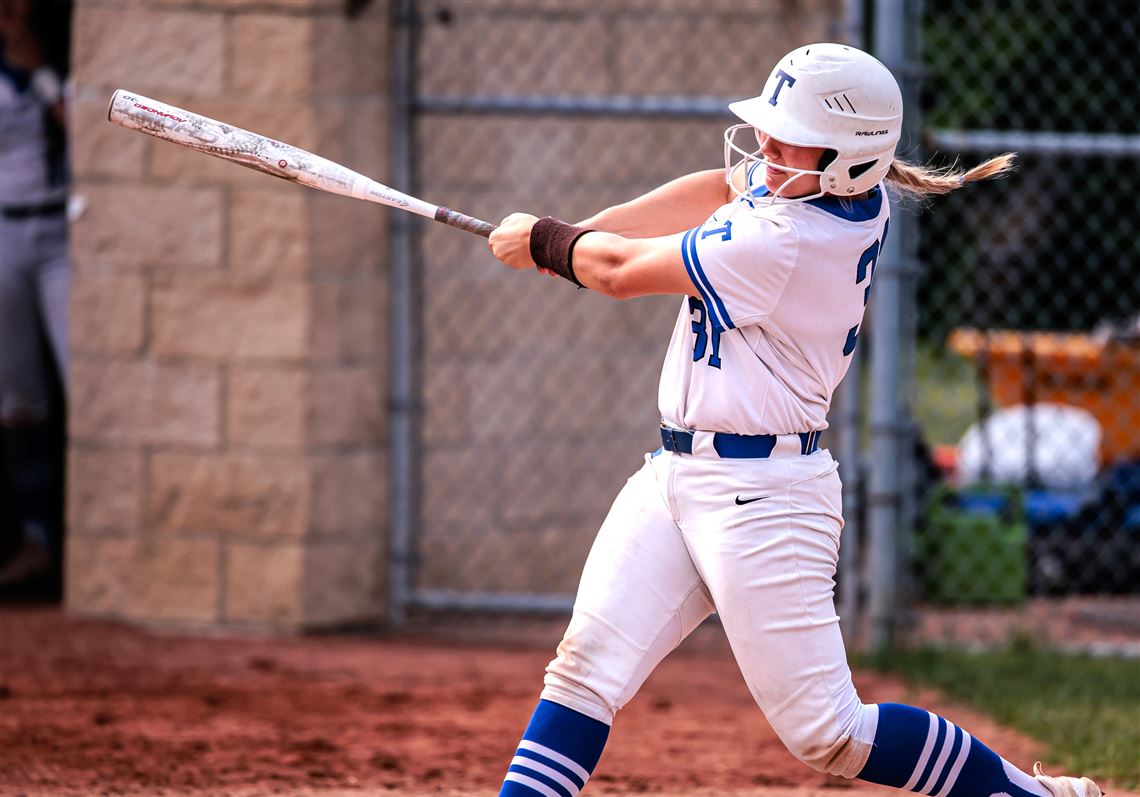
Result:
<point x="552" y="245"/>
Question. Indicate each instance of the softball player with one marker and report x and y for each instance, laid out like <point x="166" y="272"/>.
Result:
<point x="739" y="511"/>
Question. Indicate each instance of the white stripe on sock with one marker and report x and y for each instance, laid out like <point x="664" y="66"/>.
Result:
<point x="556" y="757"/>
<point x="931" y="736"/>
<point x="550" y="772"/>
<point x="939" y="765"/>
<point x="531" y="783"/>
<point x="959" y="762"/>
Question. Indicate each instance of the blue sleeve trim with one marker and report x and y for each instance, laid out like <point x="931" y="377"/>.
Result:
<point x="717" y="312"/>
<point x="689" y="266"/>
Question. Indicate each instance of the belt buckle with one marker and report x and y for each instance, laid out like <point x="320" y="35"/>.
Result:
<point x="669" y="438"/>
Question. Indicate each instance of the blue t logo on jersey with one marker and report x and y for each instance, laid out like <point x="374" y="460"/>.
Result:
<point x="784" y="80"/>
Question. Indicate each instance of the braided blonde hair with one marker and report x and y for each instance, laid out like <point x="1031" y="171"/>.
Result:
<point x="918" y="181"/>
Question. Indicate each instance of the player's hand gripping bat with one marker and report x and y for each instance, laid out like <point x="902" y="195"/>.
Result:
<point x="267" y="155"/>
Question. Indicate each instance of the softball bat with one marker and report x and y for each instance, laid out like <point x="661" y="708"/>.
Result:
<point x="264" y="154"/>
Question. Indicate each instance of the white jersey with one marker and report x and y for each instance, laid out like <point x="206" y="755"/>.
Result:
<point x="782" y="288"/>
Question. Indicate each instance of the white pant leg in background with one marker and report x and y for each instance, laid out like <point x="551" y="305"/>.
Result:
<point x="639" y="596"/>
<point x="770" y="565"/>
<point x="34" y="284"/>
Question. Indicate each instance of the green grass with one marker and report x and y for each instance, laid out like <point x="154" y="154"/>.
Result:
<point x="1086" y="709"/>
<point x="946" y="394"/>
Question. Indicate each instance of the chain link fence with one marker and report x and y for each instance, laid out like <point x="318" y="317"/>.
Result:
<point x="1027" y="359"/>
<point x="537" y="399"/>
<point x="533" y="401"/>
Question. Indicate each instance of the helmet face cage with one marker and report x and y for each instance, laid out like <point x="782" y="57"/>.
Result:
<point x="755" y="160"/>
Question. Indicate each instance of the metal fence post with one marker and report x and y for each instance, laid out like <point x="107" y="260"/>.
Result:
<point x="847" y="407"/>
<point x="404" y="326"/>
<point x="890" y="431"/>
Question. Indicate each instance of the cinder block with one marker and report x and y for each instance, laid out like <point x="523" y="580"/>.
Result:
<point x="135" y="226"/>
<point x="172" y="580"/>
<point x="154" y="51"/>
<point x="349" y="237"/>
<point x="365" y="322"/>
<point x="351" y="55"/>
<point x="351" y="320"/>
<point x="293" y="6"/>
<point x="245" y="496"/>
<point x="332" y="131"/>
<point x="97" y="575"/>
<point x="264" y="584"/>
<point x="269" y="232"/>
<point x="104" y="490"/>
<point x="144" y="403"/>
<point x="350" y="492"/>
<point x="175" y="580"/>
<point x="273" y="55"/>
<point x="344" y="582"/>
<point x="100" y="149"/>
<point x="231" y="319"/>
<point x="346" y="406"/>
<point x="366" y="136"/>
<point x="325" y="309"/>
<point x="267" y="406"/>
<point x="107" y="313"/>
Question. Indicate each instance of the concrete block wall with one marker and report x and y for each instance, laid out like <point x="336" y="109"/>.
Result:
<point x="228" y="437"/>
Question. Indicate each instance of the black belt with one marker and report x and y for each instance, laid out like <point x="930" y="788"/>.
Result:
<point x="16" y="212"/>
<point x="736" y="446"/>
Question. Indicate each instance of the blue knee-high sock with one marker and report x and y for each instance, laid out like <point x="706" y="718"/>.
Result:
<point x="917" y="751"/>
<point x="557" y="754"/>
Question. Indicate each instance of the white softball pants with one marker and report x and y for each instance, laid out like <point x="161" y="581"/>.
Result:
<point x="677" y="546"/>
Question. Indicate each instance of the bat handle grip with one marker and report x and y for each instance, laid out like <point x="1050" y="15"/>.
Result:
<point x="464" y="222"/>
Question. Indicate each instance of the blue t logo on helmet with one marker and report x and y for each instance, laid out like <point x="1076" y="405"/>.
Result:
<point x="784" y="80"/>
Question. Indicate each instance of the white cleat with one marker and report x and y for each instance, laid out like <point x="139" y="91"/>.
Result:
<point x="1066" y="787"/>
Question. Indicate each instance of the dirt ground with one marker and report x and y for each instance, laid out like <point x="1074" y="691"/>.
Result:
<point x="97" y="708"/>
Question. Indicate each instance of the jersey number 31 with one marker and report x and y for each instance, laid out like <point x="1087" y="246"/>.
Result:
<point x="696" y="306"/>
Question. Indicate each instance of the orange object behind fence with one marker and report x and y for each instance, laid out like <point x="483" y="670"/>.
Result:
<point x="1101" y="376"/>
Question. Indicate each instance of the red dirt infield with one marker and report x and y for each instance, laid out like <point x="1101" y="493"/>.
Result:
<point x="99" y="708"/>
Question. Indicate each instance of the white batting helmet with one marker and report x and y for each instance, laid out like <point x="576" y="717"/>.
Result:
<point x="831" y="96"/>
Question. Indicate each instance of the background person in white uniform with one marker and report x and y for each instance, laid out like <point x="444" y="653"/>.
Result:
<point x="739" y="511"/>
<point x="34" y="286"/>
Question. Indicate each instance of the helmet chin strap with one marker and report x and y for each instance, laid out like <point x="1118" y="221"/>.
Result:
<point x="778" y="194"/>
